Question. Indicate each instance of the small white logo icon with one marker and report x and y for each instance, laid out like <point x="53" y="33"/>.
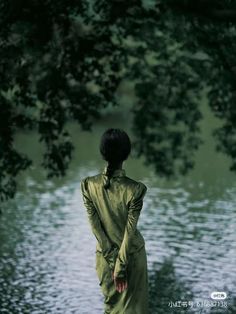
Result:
<point x="218" y="295"/>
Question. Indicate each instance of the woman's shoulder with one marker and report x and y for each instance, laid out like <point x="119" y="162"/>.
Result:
<point x="128" y="183"/>
<point x="90" y="180"/>
<point x="135" y="185"/>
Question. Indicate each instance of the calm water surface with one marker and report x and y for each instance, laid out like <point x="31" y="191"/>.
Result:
<point x="47" y="251"/>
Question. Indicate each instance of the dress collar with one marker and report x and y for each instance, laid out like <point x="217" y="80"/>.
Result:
<point x="116" y="173"/>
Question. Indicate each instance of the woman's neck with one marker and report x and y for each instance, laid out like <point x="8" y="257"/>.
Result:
<point x="118" y="166"/>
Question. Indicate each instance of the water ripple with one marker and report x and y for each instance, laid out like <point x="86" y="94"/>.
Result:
<point x="48" y="252"/>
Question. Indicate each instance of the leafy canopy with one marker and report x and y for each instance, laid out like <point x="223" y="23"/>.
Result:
<point x="64" y="61"/>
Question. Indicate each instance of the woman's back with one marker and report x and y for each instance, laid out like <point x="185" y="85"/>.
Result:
<point x="112" y="205"/>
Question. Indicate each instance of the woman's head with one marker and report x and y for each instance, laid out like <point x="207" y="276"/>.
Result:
<point x="115" y="147"/>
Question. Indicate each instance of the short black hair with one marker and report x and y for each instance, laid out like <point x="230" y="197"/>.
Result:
<point x="115" y="145"/>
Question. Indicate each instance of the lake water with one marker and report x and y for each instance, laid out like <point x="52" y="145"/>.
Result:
<point x="47" y="250"/>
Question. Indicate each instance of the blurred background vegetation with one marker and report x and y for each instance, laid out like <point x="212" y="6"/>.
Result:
<point x="67" y="61"/>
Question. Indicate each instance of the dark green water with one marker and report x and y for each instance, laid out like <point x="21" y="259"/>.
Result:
<point x="47" y="251"/>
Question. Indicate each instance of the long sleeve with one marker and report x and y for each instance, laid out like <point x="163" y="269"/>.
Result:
<point x="134" y="209"/>
<point x="109" y="250"/>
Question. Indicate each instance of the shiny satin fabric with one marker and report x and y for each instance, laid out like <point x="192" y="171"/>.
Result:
<point x="113" y="214"/>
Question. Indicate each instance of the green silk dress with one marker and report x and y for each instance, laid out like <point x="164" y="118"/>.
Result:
<point x="113" y="214"/>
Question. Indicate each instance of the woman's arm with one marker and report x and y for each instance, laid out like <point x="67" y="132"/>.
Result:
<point x="109" y="251"/>
<point x="134" y="210"/>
